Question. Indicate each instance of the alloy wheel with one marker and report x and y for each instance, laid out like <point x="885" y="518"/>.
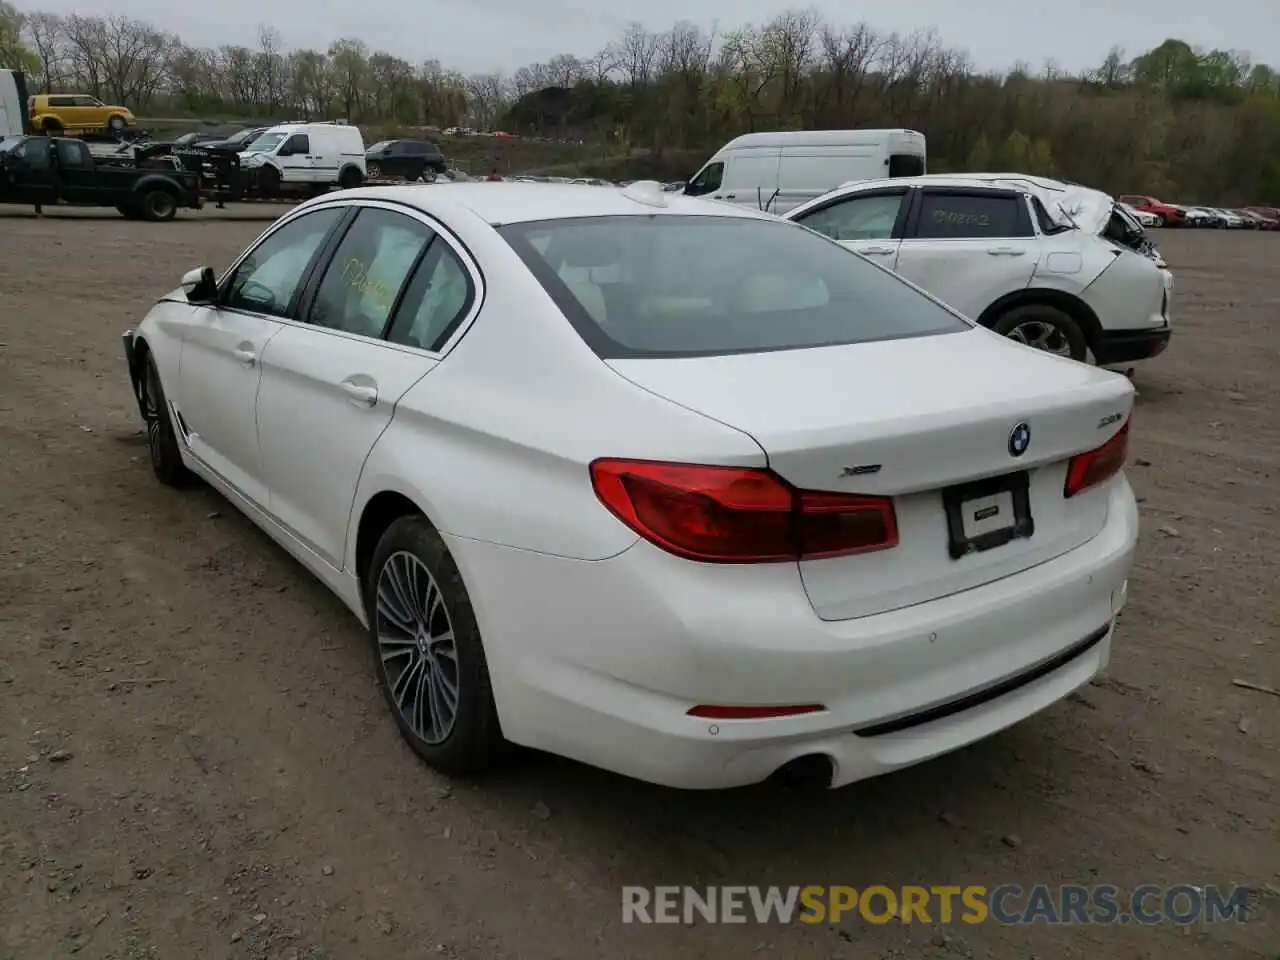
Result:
<point x="152" y="406"/>
<point x="1042" y="336"/>
<point x="417" y="648"/>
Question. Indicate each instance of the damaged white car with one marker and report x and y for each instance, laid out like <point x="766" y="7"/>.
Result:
<point x="1056" y="266"/>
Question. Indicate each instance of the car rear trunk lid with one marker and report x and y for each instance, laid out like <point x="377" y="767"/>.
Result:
<point x="911" y="419"/>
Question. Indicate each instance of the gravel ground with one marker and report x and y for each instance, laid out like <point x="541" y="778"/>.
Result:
<point x="195" y="762"/>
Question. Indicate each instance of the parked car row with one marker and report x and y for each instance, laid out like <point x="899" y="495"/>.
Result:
<point x="1152" y="212"/>
<point x="777" y="510"/>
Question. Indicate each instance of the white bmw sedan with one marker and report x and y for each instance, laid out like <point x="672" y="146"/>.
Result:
<point x="674" y="488"/>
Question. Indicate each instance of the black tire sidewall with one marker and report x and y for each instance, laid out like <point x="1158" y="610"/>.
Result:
<point x="350" y="178"/>
<point x="1043" y="313"/>
<point x="476" y="736"/>
<point x="164" y="200"/>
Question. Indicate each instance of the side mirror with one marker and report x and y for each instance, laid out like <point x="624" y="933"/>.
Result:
<point x="200" y="285"/>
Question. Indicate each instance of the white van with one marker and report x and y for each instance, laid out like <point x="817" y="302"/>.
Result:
<point x="14" y="119"/>
<point x="319" y="154"/>
<point x="779" y="171"/>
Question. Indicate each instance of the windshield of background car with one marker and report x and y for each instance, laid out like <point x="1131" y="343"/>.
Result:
<point x="380" y="145"/>
<point x="268" y="141"/>
<point x="673" y="286"/>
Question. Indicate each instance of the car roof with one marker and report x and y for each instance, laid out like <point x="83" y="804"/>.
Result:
<point x="509" y="201"/>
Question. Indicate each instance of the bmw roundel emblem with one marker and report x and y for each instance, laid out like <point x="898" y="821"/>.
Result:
<point x="1019" y="439"/>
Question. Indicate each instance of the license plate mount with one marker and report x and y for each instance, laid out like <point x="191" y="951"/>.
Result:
<point x="989" y="513"/>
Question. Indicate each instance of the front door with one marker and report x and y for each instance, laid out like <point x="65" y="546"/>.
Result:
<point x="867" y="222"/>
<point x="332" y="384"/>
<point x="222" y="352"/>
<point x="969" y="247"/>
<point x="31" y="172"/>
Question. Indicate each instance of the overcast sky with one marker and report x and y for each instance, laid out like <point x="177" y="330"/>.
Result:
<point x="483" y="35"/>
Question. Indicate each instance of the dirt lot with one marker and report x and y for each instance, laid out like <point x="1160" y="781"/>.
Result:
<point x="234" y="788"/>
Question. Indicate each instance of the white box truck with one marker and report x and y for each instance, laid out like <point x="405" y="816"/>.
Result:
<point x="14" y="118"/>
<point x="778" y="171"/>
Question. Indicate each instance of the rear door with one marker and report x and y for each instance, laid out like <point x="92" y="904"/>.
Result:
<point x="332" y="382"/>
<point x="968" y="246"/>
<point x="868" y="222"/>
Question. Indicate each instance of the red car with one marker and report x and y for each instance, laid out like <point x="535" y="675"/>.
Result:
<point x="1268" y="217"/>
<point x="1169" y="214"/>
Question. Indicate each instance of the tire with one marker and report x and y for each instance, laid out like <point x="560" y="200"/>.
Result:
<point x="269" y="181"/>
<point x="1162" y="220"/>
<point x="51" y="127"/>
<point x="159" y="205"/>
<point x="129" y="212"/>
<point x="162" y="442"/>
<point x="116" y="124"/>
<point x="375" y="171"/>
<point x="1043" y="328"/>
<point x="405" y="658"/>
<point x="351" y="178"/>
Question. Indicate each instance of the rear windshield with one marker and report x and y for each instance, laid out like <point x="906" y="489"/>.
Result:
<point x="672" y="286"/>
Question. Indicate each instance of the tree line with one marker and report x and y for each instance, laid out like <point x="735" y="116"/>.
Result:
<point x="1175" y="120"/>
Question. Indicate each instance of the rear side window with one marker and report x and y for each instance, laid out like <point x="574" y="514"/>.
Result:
<point x="670" y="286"/>
<point x="435" y="302"/>
<point x="1048" y="226"/>
<point x="958" y="216"/>
<point x="363" y="280"/>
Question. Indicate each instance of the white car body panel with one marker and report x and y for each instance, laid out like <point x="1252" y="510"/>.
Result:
<point x="597" y="641"/>
<point x="905" y="412"/>
<point x="1126" y="291"/>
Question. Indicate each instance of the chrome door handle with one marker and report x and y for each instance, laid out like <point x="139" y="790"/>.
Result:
<point x="247" y="357"/>
<point x="1005" y="251"/>
<point x="731" y="196"/>
<point x="360" y="395"/>
<point x="878" y="250"/>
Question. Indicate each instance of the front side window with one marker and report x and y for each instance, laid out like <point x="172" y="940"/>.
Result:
<point x="958" y="216"/>
<point x="88" y="102"/>
<point x="266" y="143"/>
<point x="363" y="280"/>
<point x="268" y="279"/>
<point x="667" y="285"/>
<point x="857" y="217"/>
<point x="707" y="180"/>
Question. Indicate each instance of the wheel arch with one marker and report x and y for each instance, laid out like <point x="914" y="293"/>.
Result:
<point x="1068" y="303"/>
<point x="380" y="511"/>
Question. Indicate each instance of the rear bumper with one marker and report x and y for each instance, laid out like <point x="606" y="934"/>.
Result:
<point x="1113" y="347"/>
<point x="601" y="661"/>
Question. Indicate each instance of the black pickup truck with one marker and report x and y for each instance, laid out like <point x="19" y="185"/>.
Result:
<point x="48" y="171"/>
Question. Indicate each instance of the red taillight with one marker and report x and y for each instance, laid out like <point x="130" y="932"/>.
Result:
<point x="739" y="515"/>
<point x="706" y="712"/>
<point x="1090" y="469"/>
